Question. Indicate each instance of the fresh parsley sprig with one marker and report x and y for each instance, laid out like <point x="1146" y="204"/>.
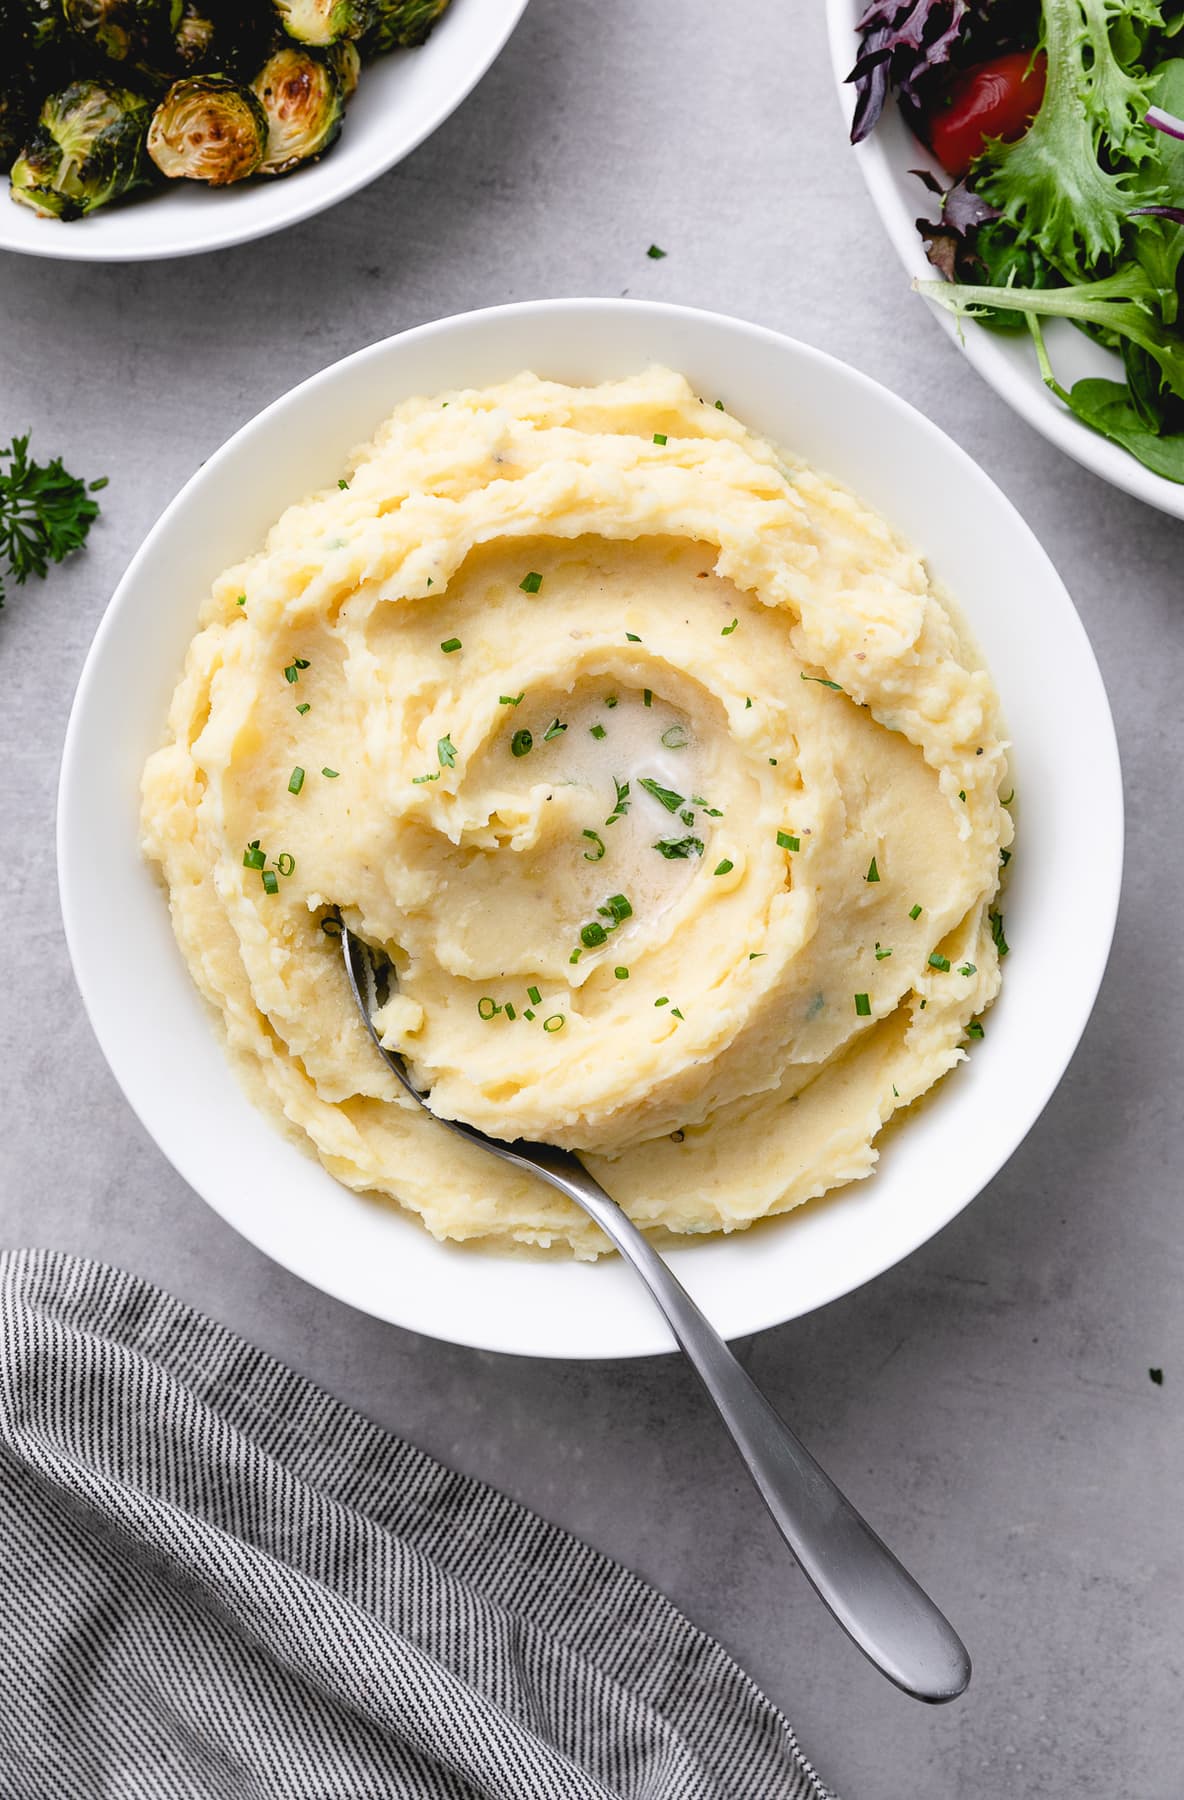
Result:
<point x="45" y="512"/>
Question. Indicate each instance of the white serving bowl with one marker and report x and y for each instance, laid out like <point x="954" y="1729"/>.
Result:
<point x="400" y="100"/>
<point x="159" y="1039"/>
<point x="1007" y="363"/>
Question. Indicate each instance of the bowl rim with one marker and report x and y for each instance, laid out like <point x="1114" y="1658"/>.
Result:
<point x="654" y="1338"/>
<point x="1031" y="400"/>
<point x="298" y="203"/>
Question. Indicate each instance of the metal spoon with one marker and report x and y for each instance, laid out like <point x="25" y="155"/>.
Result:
<point x="875" y="1600"/>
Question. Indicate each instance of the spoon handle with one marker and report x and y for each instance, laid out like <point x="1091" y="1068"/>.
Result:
<point x="874" y="1599"/>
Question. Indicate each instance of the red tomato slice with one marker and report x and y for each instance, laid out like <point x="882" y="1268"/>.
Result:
<point x="995" y="99"/>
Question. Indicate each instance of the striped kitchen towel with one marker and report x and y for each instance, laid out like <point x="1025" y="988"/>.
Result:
<point x="218" y="1583"/>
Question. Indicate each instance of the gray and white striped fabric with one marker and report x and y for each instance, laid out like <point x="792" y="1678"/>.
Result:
<point x="218" y="1583"/>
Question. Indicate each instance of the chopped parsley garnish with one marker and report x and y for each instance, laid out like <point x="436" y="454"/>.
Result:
<point x="296" y="780"/>
<point x="595" y="854"/>
<point x="873" y="873"/>
<point x="418" y="780"/>
<point x="687" y="816"/>
<point x="647" y="696"/>
<point x="449" y="645"/>
<point x="676" y="737"/>
<point x="863" y="1006"/>
<point x="597" y="731"/>
<point x="554" y="1023"/>
<point x="938" y="961"/>
<point x="669" y="799"/>
<point x="270" y="879"/>
<point x="914" y="912"/>
<point x="1004" y="858"/>
<point x="662" y="1000"/>
<point x="342" y="483"/>
<point x="292" y="672"/>
<point x="621" y="972"/>
<point x="822" y="681"/>
<point x="753" y="954"/>
<point x="330" y="774"/>
<point x="303" y="708"/>
<point x="677" y="849"/>
<point x="881" y="953"/>
<point x="531" y="582"/>
<point x="241" y="601"/>
<point x="725" y="867"/>
<point x="787" y="841"/>
<point x="748" y="703"/>
<point x="622" y="805"/>
<point x="593" y="935"/>
<point x="446" y="752"/>
<point x="975" y="1030"/>
<point x="632" y="637"/>
<point x="659" y="437"/>
<point x="555" y="729"/>
<point x="729" y="629"/>
<point x="610" y="700"/>
<point x="522" y="743"/>
<point x="997" y="936"/>
<point x="533" y="995"/>
<point x="966" y="969"/>
<point x="253" y="857"/>
<point x="675" y="1014"/>
<point x="655" y="253"/>
<point x="511" y="699"/>
<point x="719" y="406"/>
<point x="487" y="1007"/>
<point x="1156" y="1376"/>
<point x="713" y="812"/>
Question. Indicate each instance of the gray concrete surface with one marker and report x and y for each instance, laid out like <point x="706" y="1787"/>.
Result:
<point x="988" y="1402"/>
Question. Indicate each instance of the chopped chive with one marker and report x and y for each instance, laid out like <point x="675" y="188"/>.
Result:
<point x="938" y="961"/>
<point x="521" y="743"/>
<point x="610" y="700"/>
<point x="555" y="729"/>
<point x="331" y="925"/>
<point x="753" y="954"/>
<point x="1007" y="799"/>
<point x="617" y="907"/>
<point x="632" y="637"/>
<point x="725" y="867"/>
<point x="822" y="681"/>
<point x="873" y="874"/>
<point x="659" y="437"/>
<point x="446" y="752"/>
<point x="531" y="582"/>
<point x="675" y="1014"/>
<point x="511" y="699"/>
<point x="961" y="793"/>
<point x="418" y="780"/>
<point x="669" y="799"/>
<point x="509" y="1010"/>
<point x="656" y="253"/>
<point x="676" y="737"/>
<point x="596" y="731"/>
<point x="296" y="780"/>
<point x="330" y="774"/>
<point x="787" y="841"/>
<point x="773" y="762"/>
<point x="595" y="854"/>
<point x="967" y="969"/>
<point x="487" y="1007"/>
<point x="592" y="935"/>
<point x="285" y="863"/>
<point x="292" y="672"/>
<point x="678" y="849"/>
<point x="271" y="883"/>
<point x="554" y="1023"/>
<point x="449" y="645"/>
<point x="662" y="1000"/>
<point x="302" y="708"/>
<point x="1004" y="858"/>
<point x="975" y="1030"/>
<point x="528" y="1013"/>
<point x="647" y="696"/>
<point x="895" y="1091"/>
<point x="881" y="953"/>
<point x="429" y="581"/>
<point x="863" y="1006"/>
<point x="747" y="703"/>
<point x="621" y="972"/>
<point x="241" y="601"/>
<point x="533" y="995"/>
<point x="719" y="406"/>
<point x="729" y="629"/>
<point x="914" y="912"/>
<point x="253" y="857"/>
<point x="997" y="936"/>
<point x="575" y="956"/>
<point x="342" y="484"/>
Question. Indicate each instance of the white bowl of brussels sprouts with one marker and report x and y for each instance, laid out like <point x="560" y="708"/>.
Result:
<point x="137" y="129"/>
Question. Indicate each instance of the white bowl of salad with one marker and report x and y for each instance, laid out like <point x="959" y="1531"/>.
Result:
<point x="1029" y="158"/>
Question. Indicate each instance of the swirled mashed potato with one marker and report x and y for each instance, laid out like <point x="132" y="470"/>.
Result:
<point x="651" y="760"/>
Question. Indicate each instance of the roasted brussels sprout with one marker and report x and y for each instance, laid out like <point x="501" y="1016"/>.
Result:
<point x="325" y="21"/>
<point x="123" y="29"/>
<point x="194" y="37"/>
<point x="301" y="95"/>
<point x="208" y="128"/>
<point x="39" y="22"/>
<point x="18" y="108"/>
<point x="87" y="148"/>
<point x="402" y="24"/>
<point x="342" y="57"/>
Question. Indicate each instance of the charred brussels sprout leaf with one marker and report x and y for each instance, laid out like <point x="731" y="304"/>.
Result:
<point x="18" y="109"/>
<point x="325" y="21"/>
<point x="194" y="38"/>
<point x="208" y="128"/>
<point x="301" y="95"/>
<point x="39" y="23"/>
<point x="403" y="24"/>
<point x="87" y="148"/>
<point x="342" y="57"/>
<point x="123" y="29"/>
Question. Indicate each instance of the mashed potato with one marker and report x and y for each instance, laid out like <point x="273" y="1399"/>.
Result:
<point x="656" y="767"/>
